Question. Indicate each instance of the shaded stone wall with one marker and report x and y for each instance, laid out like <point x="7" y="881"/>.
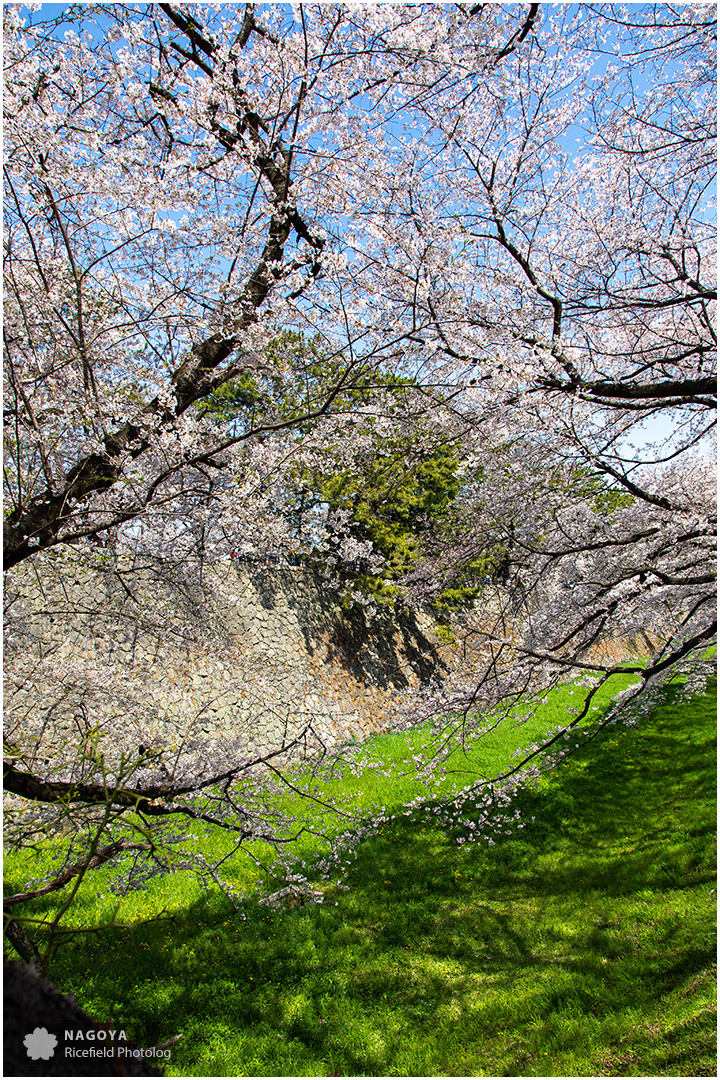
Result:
<point x="246" y="652"/>
<point x="311" y="657"/>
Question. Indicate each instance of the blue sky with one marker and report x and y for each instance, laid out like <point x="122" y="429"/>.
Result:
<point x="657" y="428"/>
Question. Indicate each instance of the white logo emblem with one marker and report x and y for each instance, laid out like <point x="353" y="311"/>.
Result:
<point x="41" y="1044"/>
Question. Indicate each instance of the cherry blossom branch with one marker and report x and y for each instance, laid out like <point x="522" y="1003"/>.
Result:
<point x="100" y="857"/>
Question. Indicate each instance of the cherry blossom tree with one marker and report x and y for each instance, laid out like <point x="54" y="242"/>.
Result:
<point x="504" y="209"/>
<point x="571" y="277"/>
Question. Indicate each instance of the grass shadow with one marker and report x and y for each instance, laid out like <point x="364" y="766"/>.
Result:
<point x="581" y="945"/>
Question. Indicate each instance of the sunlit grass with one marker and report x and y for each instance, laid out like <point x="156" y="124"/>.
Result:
<point x="583" y="945"/>
<point x="388" y="780"/>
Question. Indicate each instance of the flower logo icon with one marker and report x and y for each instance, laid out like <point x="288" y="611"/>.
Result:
<point x="40" y="1044"/>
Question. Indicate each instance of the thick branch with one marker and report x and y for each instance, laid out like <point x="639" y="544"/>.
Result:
<point x="27" y="530"/>
<point x="682" y="389"/>
<point x="23" y="944"/>
<point x="143" y="800"/>
<point x="100" y="857"/>
<point x="29" y="786"/>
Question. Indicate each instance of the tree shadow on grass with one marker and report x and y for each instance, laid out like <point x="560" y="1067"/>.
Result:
<point x="583" y="941"/>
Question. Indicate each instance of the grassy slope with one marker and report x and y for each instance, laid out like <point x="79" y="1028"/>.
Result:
<point x="582" y="946"/>
<point x="388" y="780"/>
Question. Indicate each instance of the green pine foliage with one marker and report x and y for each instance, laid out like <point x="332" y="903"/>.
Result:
<point x="402" y="493"/>
<point x="400" y="490"/>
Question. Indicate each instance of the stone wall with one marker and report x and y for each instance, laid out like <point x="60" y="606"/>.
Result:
<point x="245" y="652"/>
<point x="249" y="655"/>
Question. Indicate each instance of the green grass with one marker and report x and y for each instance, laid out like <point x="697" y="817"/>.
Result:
<point x="582" y="945"/>
<point x="388" y="780"/>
